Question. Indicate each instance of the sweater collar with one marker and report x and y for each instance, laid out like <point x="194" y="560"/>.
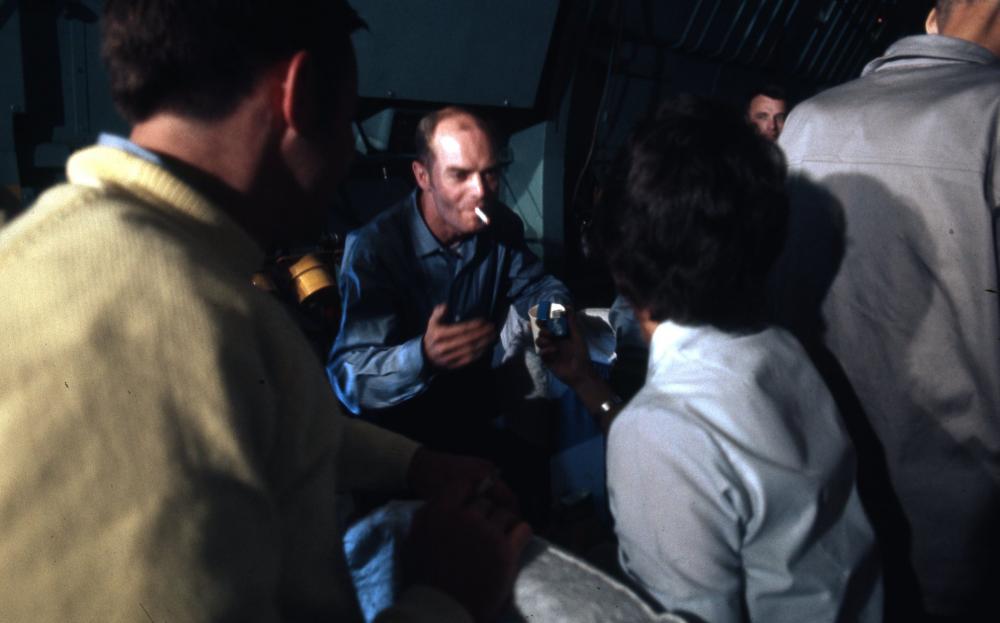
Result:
<point x="116" y="169"/>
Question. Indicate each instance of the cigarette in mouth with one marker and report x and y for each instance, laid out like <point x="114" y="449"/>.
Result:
<point x="482" y="216"/>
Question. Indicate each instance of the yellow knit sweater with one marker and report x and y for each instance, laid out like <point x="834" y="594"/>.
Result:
<point x="169" y="448"/>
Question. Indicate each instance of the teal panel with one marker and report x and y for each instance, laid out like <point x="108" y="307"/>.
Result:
<point x="11" y="89"/>
<point x="489" y="52"/>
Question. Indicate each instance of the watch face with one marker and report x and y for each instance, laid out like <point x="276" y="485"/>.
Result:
<point x="610" y="405"/>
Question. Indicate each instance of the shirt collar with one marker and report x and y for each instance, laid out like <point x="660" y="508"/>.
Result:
<point x="671" y="341"/>
<point x="424" y="242"/>
<point x="120" y="142"/>
<point x="921" y="48"/>
<point x="668" y="339"/>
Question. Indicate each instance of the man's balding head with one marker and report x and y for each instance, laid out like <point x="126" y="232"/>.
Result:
<point x="429" y="123"/>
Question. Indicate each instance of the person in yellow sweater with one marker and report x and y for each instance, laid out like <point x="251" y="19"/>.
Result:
<point x="169" y="447"/>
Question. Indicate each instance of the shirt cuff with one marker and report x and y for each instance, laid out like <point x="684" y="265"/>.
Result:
<point x="415" y="357"/>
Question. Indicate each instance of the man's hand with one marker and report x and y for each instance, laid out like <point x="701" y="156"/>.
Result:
<point x="569" y="360"/>
<point x="568" y="357"/>
<point x="432" y="474"/>
<point x="463" y="544"/>
<point x="456" y="345"/>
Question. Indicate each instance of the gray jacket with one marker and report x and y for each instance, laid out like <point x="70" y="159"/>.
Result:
<point x="892" y="260"/>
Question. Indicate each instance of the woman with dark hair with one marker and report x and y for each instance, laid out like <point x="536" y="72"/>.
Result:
<point x="730" y="474"/>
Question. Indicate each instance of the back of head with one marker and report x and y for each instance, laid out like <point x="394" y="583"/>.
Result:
<point x="701" y="219"/>
<point x="198" y="58"/>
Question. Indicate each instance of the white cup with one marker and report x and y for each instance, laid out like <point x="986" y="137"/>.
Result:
<point x="556" y="310"/>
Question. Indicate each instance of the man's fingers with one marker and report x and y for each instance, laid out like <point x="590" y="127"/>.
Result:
<point x="468" y="343"/>
<point x="518" y="538"/>
<point x="460" y="329"/>
<point x="457" y="495"/>
<point x="447" y="336"/>
<point x="503" y="519"/>
<point x="437" y="314"/>
<point x="501" y="494"/>
<point x="456" y="345"/>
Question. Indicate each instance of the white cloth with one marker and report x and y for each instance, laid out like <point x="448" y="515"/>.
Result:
<point x="731" y="479"/>
<point x="552" y="586"/>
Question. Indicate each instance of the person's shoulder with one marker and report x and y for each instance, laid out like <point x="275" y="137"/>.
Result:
<point x="382" y="232"/>
<point x="87" y="223"/>
<point x="653" y="412"/>
<point x="395" y="220"/>
<point x="842" y="96"/>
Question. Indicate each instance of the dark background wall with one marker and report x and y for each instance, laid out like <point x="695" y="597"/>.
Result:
<point x="564" y="79"/>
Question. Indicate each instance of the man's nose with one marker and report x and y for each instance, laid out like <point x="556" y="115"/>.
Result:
<point x="477" y="184"/>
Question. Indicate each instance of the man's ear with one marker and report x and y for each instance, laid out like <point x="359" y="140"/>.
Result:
<point x="931" y="25"/>
<point x="421" y="174"/>
<point x="300" y="98"/>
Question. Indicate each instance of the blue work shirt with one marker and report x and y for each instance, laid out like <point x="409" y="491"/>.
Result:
<point x="393" y="275"/>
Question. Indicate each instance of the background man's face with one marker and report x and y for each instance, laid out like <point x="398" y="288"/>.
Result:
<point x="463" y="177"/>
<point x="767" y="115"/>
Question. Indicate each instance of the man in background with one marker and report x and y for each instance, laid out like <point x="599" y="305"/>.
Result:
<point x="169" y="448"/>
<point x="894" y="233"/>
<point x="766" y="110"/>
<point x="424" y="288"/>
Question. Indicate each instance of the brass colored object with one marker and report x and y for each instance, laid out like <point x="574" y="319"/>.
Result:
<point x="310" y="275"/>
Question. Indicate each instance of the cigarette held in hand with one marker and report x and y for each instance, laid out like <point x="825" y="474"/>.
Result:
<point x="482" y="216"/>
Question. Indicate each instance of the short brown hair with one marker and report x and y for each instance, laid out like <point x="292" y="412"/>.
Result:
<point x="701" y="218"/>
<point x="201" y="57"/>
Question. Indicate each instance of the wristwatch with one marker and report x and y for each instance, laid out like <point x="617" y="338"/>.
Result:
<point x="611" y="404"/>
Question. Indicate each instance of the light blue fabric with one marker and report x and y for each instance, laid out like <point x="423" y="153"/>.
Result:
<point x="372" y="547"/>
<point x="732" y="484"/>
<point x="120" y="142"/>
<point x="393" y="274"/>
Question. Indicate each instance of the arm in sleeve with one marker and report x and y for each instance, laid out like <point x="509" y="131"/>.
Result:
<point x="368" y="366"/>
<point x="373" y="458"/>
<point x="528" y="281"/>
<point x="676" y="514"/>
